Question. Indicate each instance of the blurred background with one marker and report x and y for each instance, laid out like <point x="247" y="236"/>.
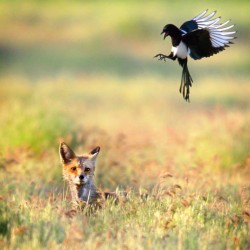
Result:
<point x="84" y="72"/>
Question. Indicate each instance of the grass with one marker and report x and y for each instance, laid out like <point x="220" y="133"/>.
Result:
<point x="207" y="197"/>
<point x="74" y="72"/>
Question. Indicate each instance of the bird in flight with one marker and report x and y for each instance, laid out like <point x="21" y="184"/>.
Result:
<point x="199" y="37"/>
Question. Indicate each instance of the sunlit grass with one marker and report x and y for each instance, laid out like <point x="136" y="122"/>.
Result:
<point x="204" y="145"/>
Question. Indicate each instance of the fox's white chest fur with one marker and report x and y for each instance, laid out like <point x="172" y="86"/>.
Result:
<point x="87" y="193"/>
<point x="180" y="51"/>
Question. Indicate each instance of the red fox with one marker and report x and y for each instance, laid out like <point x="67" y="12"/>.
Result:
<point x="78" y="171"/>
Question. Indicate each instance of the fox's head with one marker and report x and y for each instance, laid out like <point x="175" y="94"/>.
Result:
<point x="78" y="169"/>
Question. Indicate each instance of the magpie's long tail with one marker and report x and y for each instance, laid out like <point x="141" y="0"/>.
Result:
<point x="186" y="79"/>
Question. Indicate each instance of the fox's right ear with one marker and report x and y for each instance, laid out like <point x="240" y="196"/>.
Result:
<point x="66" y="153"/>
<point x="94" y="153"/>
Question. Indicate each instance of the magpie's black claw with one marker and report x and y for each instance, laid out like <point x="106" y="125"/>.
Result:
<point x="161" y="57"/>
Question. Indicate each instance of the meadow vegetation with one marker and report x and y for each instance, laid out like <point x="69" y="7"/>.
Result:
<point x="84" y="73"/>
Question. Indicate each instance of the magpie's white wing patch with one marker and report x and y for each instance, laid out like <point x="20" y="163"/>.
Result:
<point x="220" y="37"/>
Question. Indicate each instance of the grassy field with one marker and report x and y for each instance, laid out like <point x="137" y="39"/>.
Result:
<point x="84" y="73"/>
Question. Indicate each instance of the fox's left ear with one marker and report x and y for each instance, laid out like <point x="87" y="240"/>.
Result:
<point x="66" y="153"/>
<point x="94" y="153"/>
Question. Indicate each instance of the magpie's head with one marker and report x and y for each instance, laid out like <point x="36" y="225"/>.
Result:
<point x="169" y="30"/>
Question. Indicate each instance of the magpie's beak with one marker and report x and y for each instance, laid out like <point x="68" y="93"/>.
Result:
<point x="165" y="34"/>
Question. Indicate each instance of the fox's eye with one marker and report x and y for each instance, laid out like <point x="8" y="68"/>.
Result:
<point x="73" y="168"/>
<point x="87" y="169"/>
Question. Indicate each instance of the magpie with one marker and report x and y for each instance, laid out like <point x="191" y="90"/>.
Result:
<point x="199" y="37"/>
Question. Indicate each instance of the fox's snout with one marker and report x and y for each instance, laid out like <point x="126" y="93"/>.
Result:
<point x="81" y="177"/>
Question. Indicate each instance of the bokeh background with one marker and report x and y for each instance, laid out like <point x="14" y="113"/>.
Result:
<point x="83" y="72"/>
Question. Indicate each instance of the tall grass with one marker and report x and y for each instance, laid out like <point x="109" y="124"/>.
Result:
<point x="204" y="204"/>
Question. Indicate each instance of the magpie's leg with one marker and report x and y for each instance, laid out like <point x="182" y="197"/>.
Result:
<point x="163" y="57"/>
<point x="186" y="79"/>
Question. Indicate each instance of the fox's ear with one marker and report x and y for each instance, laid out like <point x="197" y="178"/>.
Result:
<point x="93" y="153"/>
<point x="66" y="153"/>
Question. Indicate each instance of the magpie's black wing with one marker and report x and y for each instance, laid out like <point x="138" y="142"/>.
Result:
<point x="200" y="45"/>
<point x="204" y="36"/>
<point x="198" y="22"/>
<point x="190" y="25"/>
